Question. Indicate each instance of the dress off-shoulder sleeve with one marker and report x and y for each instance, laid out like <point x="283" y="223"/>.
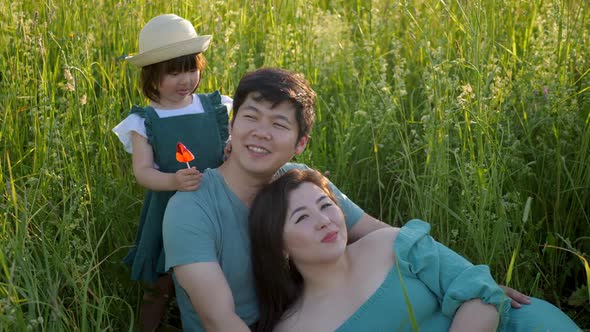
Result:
<point x="123" y="130"/>
<point x="452" y="278"/>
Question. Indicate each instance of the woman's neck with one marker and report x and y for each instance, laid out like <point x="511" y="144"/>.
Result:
<point x="324" y="279"/>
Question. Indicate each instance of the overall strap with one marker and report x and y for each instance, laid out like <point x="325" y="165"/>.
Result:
<point x="144" y="112"/>
<point x="212" y="105"/>
<point x="149" y="114"/>
<point x="210" y="101"/>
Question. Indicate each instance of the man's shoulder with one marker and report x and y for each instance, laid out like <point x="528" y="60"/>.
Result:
<point x="209" y="183"/>
<point x="202" y="199"/>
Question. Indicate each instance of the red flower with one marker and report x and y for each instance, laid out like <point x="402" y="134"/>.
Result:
<point x="183" y="155"/>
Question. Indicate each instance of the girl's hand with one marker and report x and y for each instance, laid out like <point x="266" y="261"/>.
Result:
<point x="188" y="179"/>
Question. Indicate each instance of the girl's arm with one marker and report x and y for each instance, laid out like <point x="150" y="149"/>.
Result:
<point x="474" y="315"/>
<point x="186" y="179"/>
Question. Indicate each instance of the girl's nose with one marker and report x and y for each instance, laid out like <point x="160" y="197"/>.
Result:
<point x="185" y="77"/>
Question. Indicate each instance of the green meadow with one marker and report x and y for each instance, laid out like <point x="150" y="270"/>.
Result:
<point x="472" y="115"/>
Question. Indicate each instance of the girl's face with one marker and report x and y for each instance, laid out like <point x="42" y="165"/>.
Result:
<point x="315" y="231"/>
<point x="176" y="88"/>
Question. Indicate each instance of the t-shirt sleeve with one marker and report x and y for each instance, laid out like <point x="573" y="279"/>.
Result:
<point x="351" y="211"/>
<point x="452" y="278"/>
<point x="188" y="232"/>
<point x="123" y="130"/>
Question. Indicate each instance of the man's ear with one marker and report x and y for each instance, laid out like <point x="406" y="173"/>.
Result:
<point x="301" y="144"/>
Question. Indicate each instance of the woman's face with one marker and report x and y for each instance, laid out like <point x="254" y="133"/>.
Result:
<point x="315" y="231"/>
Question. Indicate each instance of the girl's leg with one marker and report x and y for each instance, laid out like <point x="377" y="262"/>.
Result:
<point x="154" y="303"/>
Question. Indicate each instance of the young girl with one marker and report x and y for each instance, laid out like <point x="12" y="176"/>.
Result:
<point x="393" y="279"/>
<point x="171" y="61"/>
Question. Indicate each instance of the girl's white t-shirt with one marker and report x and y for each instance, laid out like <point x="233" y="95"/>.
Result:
<point x="136" y="123"/>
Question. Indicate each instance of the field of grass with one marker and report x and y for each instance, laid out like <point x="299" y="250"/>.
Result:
<point x="472" y="115"/>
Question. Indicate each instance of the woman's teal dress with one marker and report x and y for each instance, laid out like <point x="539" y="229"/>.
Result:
<point x="204" y="134"/>
<point x="431" y="281"/>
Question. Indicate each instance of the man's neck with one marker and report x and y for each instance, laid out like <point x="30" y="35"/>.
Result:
<point x="244" y="184"/>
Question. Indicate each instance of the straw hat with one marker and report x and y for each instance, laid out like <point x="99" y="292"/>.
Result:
<point x="167" y="37"/>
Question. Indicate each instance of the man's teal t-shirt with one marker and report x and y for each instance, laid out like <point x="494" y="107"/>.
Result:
<point x="211" y="225"/>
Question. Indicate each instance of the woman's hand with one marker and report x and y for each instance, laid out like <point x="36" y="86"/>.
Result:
<point x="188" y="179"/>
<point x="517" y="297"/>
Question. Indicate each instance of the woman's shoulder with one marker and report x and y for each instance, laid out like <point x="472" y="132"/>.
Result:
<point x="381" y="237"/>
<point x="376" y="246"/>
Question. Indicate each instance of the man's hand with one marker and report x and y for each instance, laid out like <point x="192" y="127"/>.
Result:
<point x="517" y="297"/>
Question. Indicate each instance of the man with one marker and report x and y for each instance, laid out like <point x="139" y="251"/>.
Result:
<point x="206" y="231"/>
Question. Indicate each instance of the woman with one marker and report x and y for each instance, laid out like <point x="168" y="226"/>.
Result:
<point x="308" y="279"/>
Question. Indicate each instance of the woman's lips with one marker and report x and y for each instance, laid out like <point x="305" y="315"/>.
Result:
<point x="330" y="237"/>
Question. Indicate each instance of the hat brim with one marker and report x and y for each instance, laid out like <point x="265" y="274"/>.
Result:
<point x="194" y="45"/>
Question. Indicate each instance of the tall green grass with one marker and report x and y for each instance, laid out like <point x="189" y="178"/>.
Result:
<point x="456" y="112"/>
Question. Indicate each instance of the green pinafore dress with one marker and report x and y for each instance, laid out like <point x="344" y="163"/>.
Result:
<point x="204" y="134"/>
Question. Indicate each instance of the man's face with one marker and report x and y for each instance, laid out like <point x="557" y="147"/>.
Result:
<point x="265" y="138"/>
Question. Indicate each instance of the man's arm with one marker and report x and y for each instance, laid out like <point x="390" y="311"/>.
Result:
<point x="210" y="296"/>
<point x="364" y="226"/>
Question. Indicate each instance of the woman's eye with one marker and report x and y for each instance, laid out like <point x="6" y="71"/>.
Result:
<point x="302" y="217"/>
<point x="325" y="205"/>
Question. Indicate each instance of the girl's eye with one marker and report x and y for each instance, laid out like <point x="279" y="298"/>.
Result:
<point x="301" y="217"/>
<point x="280" y="126"/>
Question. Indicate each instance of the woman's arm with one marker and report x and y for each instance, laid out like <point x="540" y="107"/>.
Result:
<point x="186" y="179"/>
<point x="474" y="315"/>
<point x="451" y="277"/>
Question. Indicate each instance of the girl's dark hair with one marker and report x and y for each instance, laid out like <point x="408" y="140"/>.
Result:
<point x="278" y="282"/>
<point x="152" y="75"/>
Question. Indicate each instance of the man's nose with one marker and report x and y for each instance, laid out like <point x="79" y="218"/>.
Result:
<point x="263" y="132"/>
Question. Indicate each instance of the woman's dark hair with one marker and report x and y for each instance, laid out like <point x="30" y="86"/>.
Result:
<point x="278" y="282"/>
<point x="152" y="75"/>
<point x="276" y="86"/>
